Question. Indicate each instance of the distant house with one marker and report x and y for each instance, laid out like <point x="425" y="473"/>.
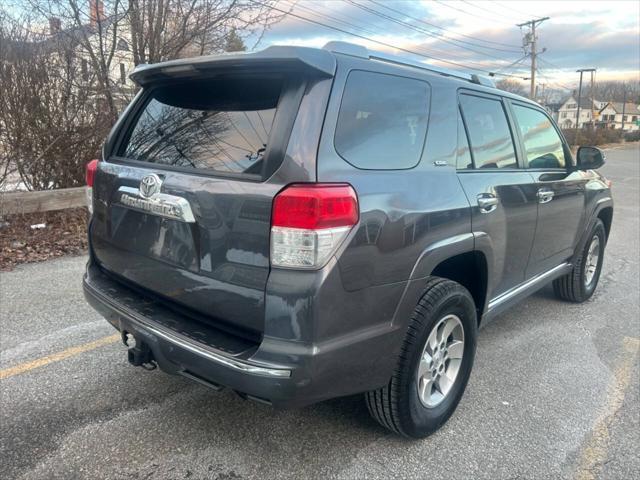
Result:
<point x="553" y="108"/>
<point x="66" y="48"/>
<point x="613" y="114"/>
<point x="567" y="116"/>
<point x="122" y="62"/>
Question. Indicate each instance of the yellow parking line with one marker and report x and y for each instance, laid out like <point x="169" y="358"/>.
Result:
<point x="56" y="357"/>
<point x="594" y="453"/>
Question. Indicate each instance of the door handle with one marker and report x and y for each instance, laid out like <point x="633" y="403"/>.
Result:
<point x="487" y="202"/>
<point x="545" y="195"/>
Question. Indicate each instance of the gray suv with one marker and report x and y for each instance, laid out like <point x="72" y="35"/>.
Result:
<point x="302" y="224"/>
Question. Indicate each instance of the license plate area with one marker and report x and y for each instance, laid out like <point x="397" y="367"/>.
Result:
<point x="150" y="235"/>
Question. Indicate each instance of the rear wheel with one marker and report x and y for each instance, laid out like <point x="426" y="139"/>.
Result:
<point x="578" y="285"/>
<point x="434" y="363"/>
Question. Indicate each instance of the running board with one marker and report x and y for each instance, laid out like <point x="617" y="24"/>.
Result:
<point x="501" y="302"/>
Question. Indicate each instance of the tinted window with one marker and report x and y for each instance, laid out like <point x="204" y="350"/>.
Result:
<point x="218" y="124"/>
<point x="489" y="134"/>
<point x="542" y="143"/>
<point x="382" y="122"/>
<point x="463" y="154"/>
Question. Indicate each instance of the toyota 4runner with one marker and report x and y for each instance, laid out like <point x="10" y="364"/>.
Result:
<point x="301" y="224"/>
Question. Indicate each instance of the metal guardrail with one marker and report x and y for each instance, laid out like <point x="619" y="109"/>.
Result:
<point x="42" y="200"/>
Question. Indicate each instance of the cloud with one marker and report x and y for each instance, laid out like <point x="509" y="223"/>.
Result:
<point x="578" y="35"/>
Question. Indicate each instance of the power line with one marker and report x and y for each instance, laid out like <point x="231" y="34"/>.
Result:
<point x="503" y="5"/>
<point x="360" y="29"/>
<point x="446" y="4"/>
<point x="418" y="29"/>
<point x="253" y="128"/>
<point x="316" y="13"/>
<point x="323" y="15"/>
<point x="512" y="64"/>
<point x="543" y="60"/>
<point x="416" y="19"/>
<point x="554" y="65"/>
<point x="364" y="37"/>
<point x="240" y="132"/>
<point x="509" y="18"/>
<point x="551" y="82"/>
<point x="262" y="123"/>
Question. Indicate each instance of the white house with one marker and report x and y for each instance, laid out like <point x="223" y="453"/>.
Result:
<point x="613" y="114"/>
<point x="589" y="112"/>
<point x="121" y="64"/>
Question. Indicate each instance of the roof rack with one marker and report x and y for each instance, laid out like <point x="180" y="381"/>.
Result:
<point x="346" y="48"/>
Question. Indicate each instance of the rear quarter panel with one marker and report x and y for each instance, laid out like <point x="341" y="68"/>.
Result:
<point x="402" y="212"/>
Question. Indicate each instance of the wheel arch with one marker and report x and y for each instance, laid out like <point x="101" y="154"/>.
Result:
<point x="604" y="212"/>
<point x="606" y="215"/>
<point x="455" y="258"/>
<point x="470" y="270"/>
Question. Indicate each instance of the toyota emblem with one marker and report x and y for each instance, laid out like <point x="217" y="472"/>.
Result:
<point x="150" y="185"/>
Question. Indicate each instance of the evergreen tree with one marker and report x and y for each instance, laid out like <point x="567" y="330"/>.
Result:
<point x="234" y="42"/>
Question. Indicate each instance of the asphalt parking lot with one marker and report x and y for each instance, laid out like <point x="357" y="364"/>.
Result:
<point x="554" y="392"/>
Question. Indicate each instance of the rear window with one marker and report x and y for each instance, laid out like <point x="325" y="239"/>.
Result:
<point x="382" y="122"/>
<point x="220" y="124"/>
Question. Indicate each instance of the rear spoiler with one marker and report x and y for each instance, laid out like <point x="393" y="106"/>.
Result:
<point x="319" y="62"/>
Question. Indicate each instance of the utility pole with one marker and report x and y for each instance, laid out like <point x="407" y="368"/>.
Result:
<point x="624" y="105"/>
<point x="581" y="71"/>
<point x="530" y="40"/>
<point x="543" y="96"/>
<point x="593" y="100"/>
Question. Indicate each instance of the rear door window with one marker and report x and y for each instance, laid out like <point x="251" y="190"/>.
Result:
<point x="219" y="124"/>
<point x="542" y="143"/>
<point x="489" y="134"/>
<point x="382" y="123"/>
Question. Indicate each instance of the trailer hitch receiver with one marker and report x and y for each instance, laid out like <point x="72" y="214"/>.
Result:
<point x="139" y="353"/>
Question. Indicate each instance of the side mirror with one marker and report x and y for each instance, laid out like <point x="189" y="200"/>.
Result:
<point x="590" y="158"/>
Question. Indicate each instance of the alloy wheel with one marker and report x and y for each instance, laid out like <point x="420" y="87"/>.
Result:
<point x="591" y="262"/>
<point x="440" y="361"/>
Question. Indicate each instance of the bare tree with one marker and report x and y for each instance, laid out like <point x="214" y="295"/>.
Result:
<point x="62" y="88"/>
<point x="49" y="125"/>
<point x="91" y="34"/>
<point x="166" y="29"/>
<point x="513" y="86"/>
<point x="617" y="91"/>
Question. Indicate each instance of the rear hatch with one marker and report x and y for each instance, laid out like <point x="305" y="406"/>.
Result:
<point x="182" y="202"/>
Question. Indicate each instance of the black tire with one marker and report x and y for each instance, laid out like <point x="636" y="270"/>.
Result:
<point x="573" y="286"/>
<point x="397" y="405"/>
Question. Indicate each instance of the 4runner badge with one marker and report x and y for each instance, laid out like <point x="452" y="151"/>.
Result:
<point x="150" y="185"/>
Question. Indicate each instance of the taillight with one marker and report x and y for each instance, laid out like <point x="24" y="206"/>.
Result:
<point x="309" y="222"/>
<point x="90" y="174"/>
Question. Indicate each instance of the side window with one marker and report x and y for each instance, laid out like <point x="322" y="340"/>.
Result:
<point x="489" y="133"/>
<point x="542" y="143"/>
<point x="463" y="154"/>
<point x="382" y="123"/>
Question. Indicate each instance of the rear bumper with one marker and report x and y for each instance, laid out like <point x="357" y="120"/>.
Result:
<point x="296" y="374"/>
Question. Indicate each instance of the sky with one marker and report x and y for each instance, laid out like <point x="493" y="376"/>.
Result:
<point x="479" y="36"/>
